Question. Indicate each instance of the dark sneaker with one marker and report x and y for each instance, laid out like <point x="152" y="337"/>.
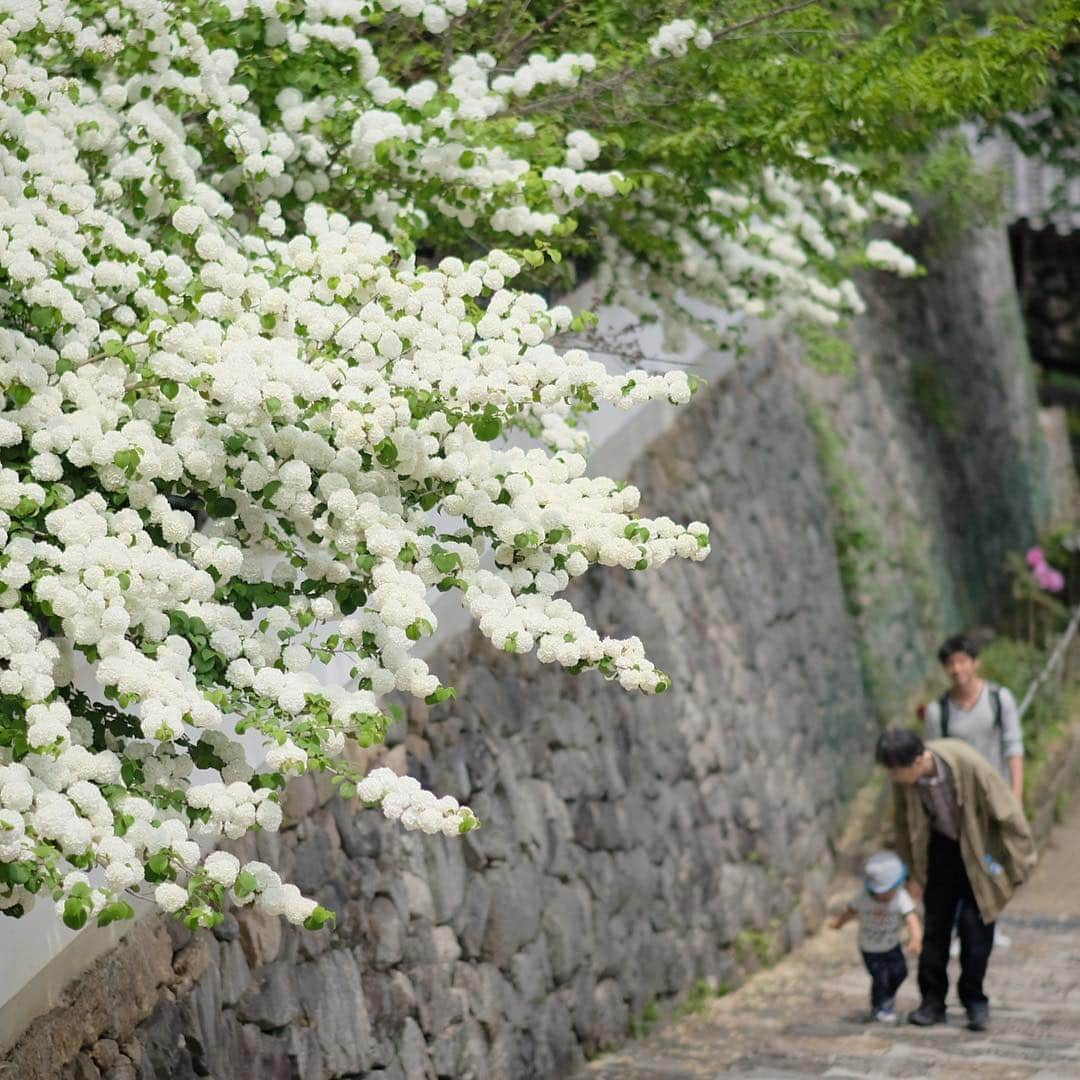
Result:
<point x="978" y="1017"/>
<point x="926" y="1015"/>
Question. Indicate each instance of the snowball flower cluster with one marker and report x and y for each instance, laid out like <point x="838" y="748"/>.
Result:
<point x="759" y="253"/>
<point x="223" y="439"/>
<point x="273" y="897"/>
<point x="232" y="809"/>
<point x="885" y="255"/>
<point x="403" y="799"/>
<point x="170" y="897"/>
<point x="674" y="38"/>
<point x="244" y="433"/>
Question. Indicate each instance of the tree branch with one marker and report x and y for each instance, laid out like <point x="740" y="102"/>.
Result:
<point x="513" y="57"/>
<point x="625" y="75"/>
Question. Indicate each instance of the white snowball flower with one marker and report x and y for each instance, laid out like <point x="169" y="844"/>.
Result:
<point x="170" y="897"/>
<point x="222" y="867"/>
<point x="288" y="757"/>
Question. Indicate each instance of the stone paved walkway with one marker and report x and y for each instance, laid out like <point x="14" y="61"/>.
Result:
<point x="802" y="1017"/>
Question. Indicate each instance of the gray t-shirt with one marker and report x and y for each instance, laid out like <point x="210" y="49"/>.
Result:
<point x="881" y="923"/>
<point x="976" y="727"/>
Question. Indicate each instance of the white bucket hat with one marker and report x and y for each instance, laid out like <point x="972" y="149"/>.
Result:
<point x="884" y="871"/>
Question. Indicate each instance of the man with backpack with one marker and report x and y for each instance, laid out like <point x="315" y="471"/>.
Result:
<point x="980" y="712"/>
<point x="985" y="716"/>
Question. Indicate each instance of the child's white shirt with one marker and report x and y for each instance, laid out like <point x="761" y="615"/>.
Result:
<point x="881" y="924"/>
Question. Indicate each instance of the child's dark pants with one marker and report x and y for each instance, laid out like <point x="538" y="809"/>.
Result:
<point x="887" y="971"/>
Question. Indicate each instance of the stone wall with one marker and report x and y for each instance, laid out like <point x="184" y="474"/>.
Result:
<point x="942" y="460"/>
<point x="631" y="846"/>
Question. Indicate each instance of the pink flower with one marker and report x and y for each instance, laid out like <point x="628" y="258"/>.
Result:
<point x="1035" y="557"/>
<point x="1046" y="577"/>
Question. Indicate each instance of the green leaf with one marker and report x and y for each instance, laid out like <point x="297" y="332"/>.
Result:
<point x="20" y="394"/>
<point x="319" y="918"/>
<point x="446" y="561"/>
<point x="443" y="693"/>
<point x="486" y="427"/>
<point x="157" y="867"/>
<point x="76" y="913"/>
<point x="131" y="774"/>
<point x="114" y="912"/>
<point x="350" y="597"/>
<point x="386" y="453"/>
<point x="25" y="507"/>
<point x="220" y="506"/>
<point x="15" y="873"/>
<point x="45" y="318"/>
<point x="245" y="884"/>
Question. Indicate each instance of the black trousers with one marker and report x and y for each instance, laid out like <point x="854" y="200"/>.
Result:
<point x="887" y="971"/>
<point x="949" y="900"/>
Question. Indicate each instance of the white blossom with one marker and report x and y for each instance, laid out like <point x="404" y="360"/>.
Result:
<point x="246" y="433"/>
<point x="170" y="897"/>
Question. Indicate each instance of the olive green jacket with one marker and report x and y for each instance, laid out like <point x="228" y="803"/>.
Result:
<point x="995" y="840"/>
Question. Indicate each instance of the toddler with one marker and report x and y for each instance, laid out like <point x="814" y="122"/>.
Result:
<point x="883" y="907"/>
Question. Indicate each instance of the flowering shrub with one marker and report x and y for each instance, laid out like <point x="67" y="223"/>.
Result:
<point x="246" y="430"/>
<point x="169" y="357"/>
<point x="1044" y="575"/>
<point x="1037" y="587"/>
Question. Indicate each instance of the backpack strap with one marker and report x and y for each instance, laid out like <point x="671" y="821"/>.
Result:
<point x="995" y="698"/>
<point x="943" y="707"/>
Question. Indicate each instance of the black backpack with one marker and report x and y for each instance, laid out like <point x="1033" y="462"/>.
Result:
<point x="995" y="698"/>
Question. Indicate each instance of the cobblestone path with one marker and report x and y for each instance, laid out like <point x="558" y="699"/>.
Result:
<point x="802" y="1018"/>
